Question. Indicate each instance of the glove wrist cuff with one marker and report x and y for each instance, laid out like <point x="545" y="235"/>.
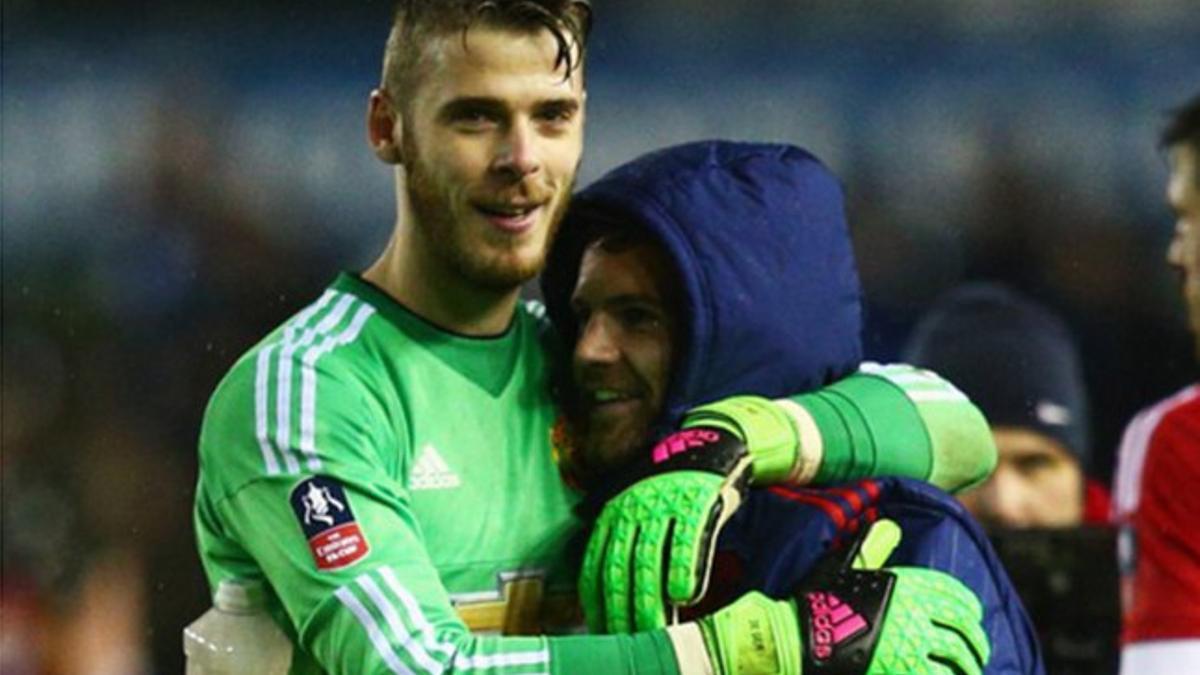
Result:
<point x="700" y="448"/>
<point x="754" y="635"/>
<point x="769" y="432"/>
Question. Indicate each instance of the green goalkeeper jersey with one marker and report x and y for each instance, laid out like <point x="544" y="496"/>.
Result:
<point x="393" y="485"/>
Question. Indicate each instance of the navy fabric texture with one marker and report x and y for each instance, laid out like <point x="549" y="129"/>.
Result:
<point x="772" y="305"/>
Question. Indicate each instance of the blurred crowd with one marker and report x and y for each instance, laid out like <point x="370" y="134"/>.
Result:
<point x="132" y="283"/>
<point x="111" y="348"/>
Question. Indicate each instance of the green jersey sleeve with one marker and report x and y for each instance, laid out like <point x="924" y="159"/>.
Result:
<point x="895" y="420"/>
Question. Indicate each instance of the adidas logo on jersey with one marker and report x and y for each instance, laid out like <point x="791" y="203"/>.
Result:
<point x="431" y="472"/>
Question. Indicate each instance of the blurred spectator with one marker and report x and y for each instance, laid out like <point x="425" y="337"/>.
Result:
<point x="1158" y="473"/>
<point x="110" y="352"/>
<point x="1017" y="361"/>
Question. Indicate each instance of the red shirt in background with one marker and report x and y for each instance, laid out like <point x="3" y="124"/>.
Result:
<point x="1157" y="511"/>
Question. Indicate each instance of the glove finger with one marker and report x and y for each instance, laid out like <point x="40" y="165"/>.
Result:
<point x="693" y="539"/>
<point x="936" y="668"/>
<point x="649" y="609"/>
<point x="950" y="604"/>
<point x="877" y="545"/>
<point x="950" y="648"/>
<point x="615" y="577"/>
<point x="970" y="632"/>
<point x="950" y="599"/>
<point x="590" y="575"/>
<point x="955" y="607"/>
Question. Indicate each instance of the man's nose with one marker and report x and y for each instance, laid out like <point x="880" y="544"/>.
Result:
<point x="597" y="343"/>
<point x="518" y="155"/>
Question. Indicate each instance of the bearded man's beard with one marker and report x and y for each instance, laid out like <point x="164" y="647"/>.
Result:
<point x="493" y="266"/>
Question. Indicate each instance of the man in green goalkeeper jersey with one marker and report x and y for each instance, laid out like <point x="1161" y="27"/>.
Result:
<point x="383" y="458"/>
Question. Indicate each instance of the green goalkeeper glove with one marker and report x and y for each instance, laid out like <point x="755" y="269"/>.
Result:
<point x="847" y="620"/>
<point x="699" y="479"/>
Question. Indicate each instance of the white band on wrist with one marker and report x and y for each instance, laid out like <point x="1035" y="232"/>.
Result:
<point x="812" y="447"/>
<point x="691" y="654"/>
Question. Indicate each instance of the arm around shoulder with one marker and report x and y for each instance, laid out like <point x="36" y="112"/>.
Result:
<point x="881" y="421"/>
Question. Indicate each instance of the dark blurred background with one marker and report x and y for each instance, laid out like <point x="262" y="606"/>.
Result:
<point x="179" y="177"/>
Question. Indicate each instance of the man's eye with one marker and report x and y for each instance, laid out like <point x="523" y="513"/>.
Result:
<point x="640" y="318"/>
<point x="556" y="113"/>
<point x="1032" y="464"/>
<point x="474" y="118"/>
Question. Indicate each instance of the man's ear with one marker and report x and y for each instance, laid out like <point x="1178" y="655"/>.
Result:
<point x="384" y="128"/>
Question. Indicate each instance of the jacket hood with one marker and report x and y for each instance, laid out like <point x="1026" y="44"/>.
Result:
<point x="758" y="236"/>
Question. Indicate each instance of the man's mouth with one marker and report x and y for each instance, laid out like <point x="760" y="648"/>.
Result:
<point x="604" y="401"/>
<point x="602" y="396"/>
<point x="511" y="217"/>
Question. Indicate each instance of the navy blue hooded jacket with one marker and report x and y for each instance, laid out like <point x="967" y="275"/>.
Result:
<point x="771" y="306"/>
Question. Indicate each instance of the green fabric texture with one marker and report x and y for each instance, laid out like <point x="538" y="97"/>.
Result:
<point x="869" y="428"/>
<point x="767" y="431"/>
<point x="961" y="443"/>
<point x="647" y="653"/>
<point x="964" y="451"/>
<point x="487" y="362"/>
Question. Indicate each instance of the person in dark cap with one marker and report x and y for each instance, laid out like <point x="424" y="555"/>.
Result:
<point x="1018" y="362"/>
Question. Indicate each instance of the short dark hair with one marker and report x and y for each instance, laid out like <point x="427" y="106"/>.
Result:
<point x="1183" y="127"/>
<point x="415" y="21"/>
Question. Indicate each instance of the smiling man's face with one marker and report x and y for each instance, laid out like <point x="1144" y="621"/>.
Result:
<point x="491" y="141"/>
<point x="622" y="359"/>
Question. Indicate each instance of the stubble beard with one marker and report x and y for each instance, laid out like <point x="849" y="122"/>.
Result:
<point x="493" y="268"/>
<point x="604" y="450"/>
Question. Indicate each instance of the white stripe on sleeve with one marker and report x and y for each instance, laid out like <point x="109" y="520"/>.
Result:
<point x="461" y="662"/>
<point x="424" y="629"/>
<point x="261" y="381"/>
<point x="283" y="395"/>
<point x="385" y="607"/>
<point x="308" y="378"/>
<point x="485" y="661"/>
<point x="935" y="395"/>
<point x="377" y="638"/>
